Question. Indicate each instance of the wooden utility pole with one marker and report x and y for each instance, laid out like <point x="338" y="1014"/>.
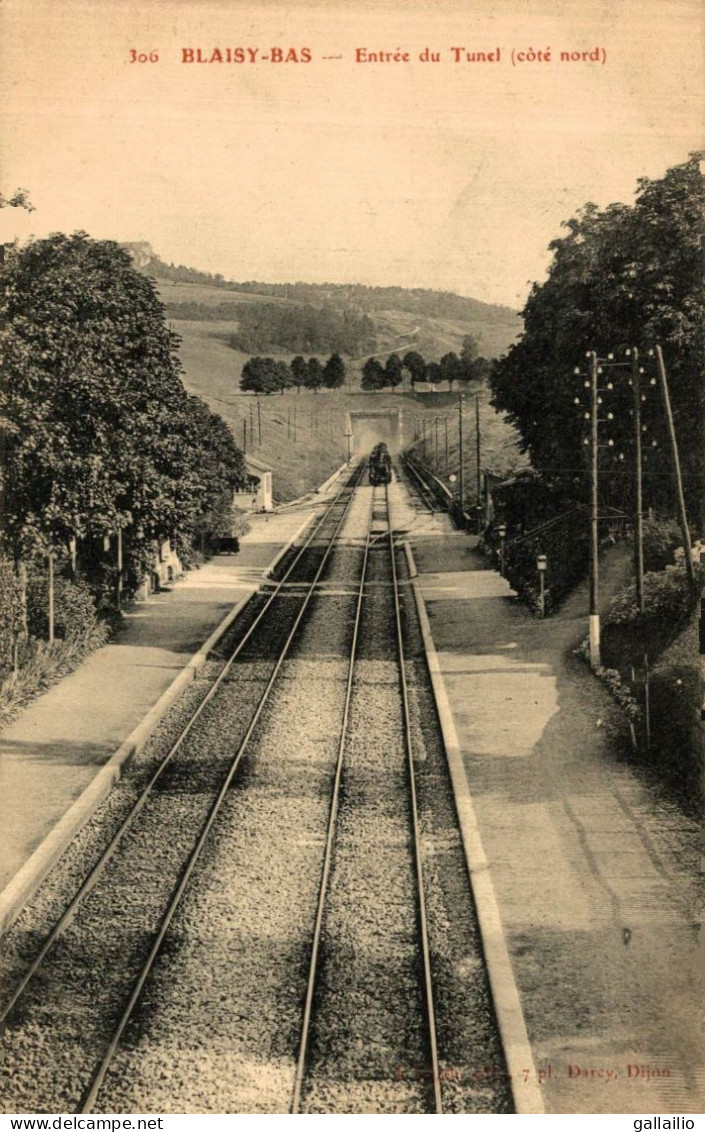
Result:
<point x="638" y="516"/>
<point x="445" y="464"/>
<point x="479" y="469"/>
<point x="51" y="598"/>
<point x="682" y="516"/>
<point x="244" y="435"/>
<point x="435" y="446"/>
<point x="594" y="613"/>
<point x="259" y="422"/>
<point x="461" y="476"/>
<point x="119" y="566"/>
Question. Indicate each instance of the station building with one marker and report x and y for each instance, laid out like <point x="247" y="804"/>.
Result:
<point x="257" y="495"/>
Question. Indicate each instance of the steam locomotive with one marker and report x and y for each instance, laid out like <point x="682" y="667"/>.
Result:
<point x="380" y="465"/>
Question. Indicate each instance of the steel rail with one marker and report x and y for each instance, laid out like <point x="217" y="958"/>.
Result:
<point x="416" y="830"/>
<point x="91" y="1093"/>
<point x="421" y="487"/>
<point x="330" y="837"/>
<point x="94" y="875"/>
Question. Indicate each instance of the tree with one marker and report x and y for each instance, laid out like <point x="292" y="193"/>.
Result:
<point x="373" y="376"/>
<point x="99" y="431"/>
<point x="393" y="372"/>
<point x="218" y="464"/>
<point x="623" y="276"/>
<point x="19" y="199"/>
<point x="470" y="349"/>
<point x="479" y="369"/>
<point x="453" y="369"/>
<point x="334" y="372"/>
<point x="264" y="375"/>
<point x="416" y="366"/>
<point x="434" y="373"/>
<point x="298" y="367"/>
<point x="314" y="374"/>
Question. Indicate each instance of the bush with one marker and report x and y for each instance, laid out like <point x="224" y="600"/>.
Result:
<point x="565" y="544"/>
<point x="669" y="602"/>
<point x="10" y="611"/>
<point x="677" y="691"/>
<point x="74" y="607"/>
<point x="662" y="537"/>
<point x="42" y="666"/>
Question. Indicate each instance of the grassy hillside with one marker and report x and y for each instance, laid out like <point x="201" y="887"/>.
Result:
<point x="499" y="441"/>
<point x="303" y="435"/>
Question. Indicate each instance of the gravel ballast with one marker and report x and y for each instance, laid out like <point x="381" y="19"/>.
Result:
<point x="218" y="1025"/>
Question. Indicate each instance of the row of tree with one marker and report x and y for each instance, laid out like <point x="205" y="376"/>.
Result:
<point x="267" y="375"/>
<point x="285" y="327"/>
<point x="625" y="276"/>
<point x="467" y="366"/>
<point x="98" y="432"/>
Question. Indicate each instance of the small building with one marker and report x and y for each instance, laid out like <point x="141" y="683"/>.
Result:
<point x="257" y="496"/>
<point x="164" y="569"/>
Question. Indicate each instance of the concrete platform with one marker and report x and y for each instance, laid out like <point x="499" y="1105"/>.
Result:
<point x="594" y="867"/>
<point x="55" y="748"/>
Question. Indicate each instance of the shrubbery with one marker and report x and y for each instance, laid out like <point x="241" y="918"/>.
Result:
<point x="677" y="690"/>
<point x="669" y="601"/>
<point x="662" y="537"/>
<point x="565" y="545"/>
<point x="74" y="607"/>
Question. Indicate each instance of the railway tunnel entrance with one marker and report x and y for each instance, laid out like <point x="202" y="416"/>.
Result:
<point x="372" y="426"/>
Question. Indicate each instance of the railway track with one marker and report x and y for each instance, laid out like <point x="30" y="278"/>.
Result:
<point x="419" y="489"/>
<point x="401" y="737"/>
<point x="310" y="560"/>
<point x="287" y="926"/>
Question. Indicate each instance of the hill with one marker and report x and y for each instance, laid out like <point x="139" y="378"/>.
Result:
<point x="437" y="320"/>
<point x="303" y="435"/>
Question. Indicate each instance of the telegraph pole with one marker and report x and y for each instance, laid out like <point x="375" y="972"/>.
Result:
<point x="259" y="422"/>
<point x="638" y="517"/>
<point x="682" y="516"/>
<point x="594" y="613"/>
<point x="244" y="435"/>
<point x="461" y="478"/>
<point x="445" y="424"/>
<point x="479" y="471"/>
<point x="51" y="598"/>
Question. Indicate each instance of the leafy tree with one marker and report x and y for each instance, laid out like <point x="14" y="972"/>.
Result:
<point x="264" y="375"/>
<point x="434" y="372"/>
<point x="624" y="276"/>
<point x="470" y="349"/>
<point x="373" y="376"/>
<point x="298" y="369"/>
<point x="393" y="371"/>
<point x="19" y="199"/>
<point x="296" y="326"/>
<point x="414" y="362"/>
<point x="453" y="369"/>
<point x="314" y="374"/>
<point x="334" y="372"/>
<point x="99" y="430"/>
<point x="479" y="369"/>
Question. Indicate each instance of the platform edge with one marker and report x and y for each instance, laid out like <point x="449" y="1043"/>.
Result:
<point x="505" y="993"/>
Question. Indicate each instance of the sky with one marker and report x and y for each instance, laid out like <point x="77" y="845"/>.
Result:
<point x="448" y="175"/>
